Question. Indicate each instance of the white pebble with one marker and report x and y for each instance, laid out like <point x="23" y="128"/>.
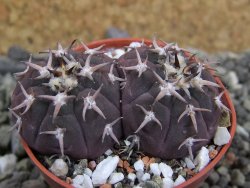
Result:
<point x="7" y="163"/>
<point x="108" y="152"/>
<point x="131" y="176"/>
<point x="202" y="159"/>
<point x="145" y="177"/>
<point x="166" y="170"/>
<point x="116" y="177"/>
<point x="104" y="169"/>
<point x="87" y="182"/>
<point x="82" y="181"/>
<point x="139" y="175"/>
<point x="222" y="136"/>
<point x="139" y="165"/>
<point x="154" y="168"/>
<point x="179" y="180"/>
<point x="88" y="172"/>
<point x="167" y="183"/>
<point x="135" y="44"/>
<point x="189" y="163"/>
<point x="59" y="168"/>
<point x="78" y="180"/>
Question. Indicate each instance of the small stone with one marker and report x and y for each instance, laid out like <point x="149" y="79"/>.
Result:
<point x="223" y="181"/>
<point x="16" y="146"/>
<point x="35" y="173"/>
<point x="7" y="65"/>
<point x="34" y="183"/>
<point x="213" y="178"/>
<point x="78" y="180"/>
<point x="92" y="165"/>
<point x="116" y="177"/>
<point x="87" y="182"/>
<point x="189" y="163"/>
<point x="79" y="168"/>
<point x="139" y="175"/>
<point x="246" y="104"/>
<point x="205" y="185"/>
<point x="213" y="153"/>
<point x="131" y="176"/>
<point x="154" y="168"/>
<point x="88" y="172"/>
<point x="168" y="182"/>
<point x="16" y="180"/>
<point x="151" y="184"/>
<point x="179" y="180"/>
<point x="17" y="53"/>
<point x="145" y="160"/>
<point x="7" y="163"/>
<point x="114" y="32"/>
<point x="69" y="180"/>
<point x="166" y="170"/>
<point x="135" y="45"/>
<point x="231" y="158"/>
<point x="158" y="180"/>
<point x="106" y="185"/>
<point x="139" y="165"/>
<point x="242" y="131"/>
<point x="24" y="165"/>
<point x="104" y="169"/>
<point x="222" y="170"/>
<point x="232" y="80"/>
<point x="108" y="152"/>
<point x="145" y="177"/>
<point x="59" y="168"/>
<point x="202" y="159"/>
<point x="238" y="177"/>
<point x="120" y="164"/>
<point x="222" y="136"/>
<point x="5" y="136"/>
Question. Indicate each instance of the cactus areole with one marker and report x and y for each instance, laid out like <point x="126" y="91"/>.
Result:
<point x="80" y="103"/>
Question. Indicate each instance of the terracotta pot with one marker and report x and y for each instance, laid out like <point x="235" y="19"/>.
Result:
<point x="195" y="181"/>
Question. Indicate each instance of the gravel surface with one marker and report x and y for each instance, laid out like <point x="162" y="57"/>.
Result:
<point x="16" y="169"/>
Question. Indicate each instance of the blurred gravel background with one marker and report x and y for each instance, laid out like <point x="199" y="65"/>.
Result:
<point x="212" y="26"/>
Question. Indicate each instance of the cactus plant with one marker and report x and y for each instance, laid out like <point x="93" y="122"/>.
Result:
<point x="81" y="103"/>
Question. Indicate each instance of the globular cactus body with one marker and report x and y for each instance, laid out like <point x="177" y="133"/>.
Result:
<point x="78" y="102"/>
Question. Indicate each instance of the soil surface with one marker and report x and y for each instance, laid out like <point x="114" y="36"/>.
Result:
<point x="208" y="25"/>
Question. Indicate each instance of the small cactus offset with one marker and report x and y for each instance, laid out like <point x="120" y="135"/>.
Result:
<point x="82" y="103"/>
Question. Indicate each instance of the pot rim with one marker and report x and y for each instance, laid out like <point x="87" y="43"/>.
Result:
<point x="119" y="42"/>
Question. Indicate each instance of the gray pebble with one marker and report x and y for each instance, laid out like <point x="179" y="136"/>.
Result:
<point x="5" y="135"/>
<point x="114" y="32"/>
<point x="18" y="53"/>
<point x="213" y="178"/>
<point x="9" y="66"/>
<point x="204" y="185"/>
<point x="238" y="177"/>
<point x="222" y="170"/>
<point x="16" y="146"/>
<point x="247" y="184"/>
<point x="35" y="173"/>
<point x="16" y="180"/>
<point x="24" y="165"/>
<point x="34" y="184"/>
<point x="215" y="186"/>
<point x="246" y="103"/>
<point x="223" y="181"/>
<point x="4" y="116"/>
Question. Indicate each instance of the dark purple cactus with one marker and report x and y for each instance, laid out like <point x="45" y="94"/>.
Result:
<point x="80" y="104"/>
